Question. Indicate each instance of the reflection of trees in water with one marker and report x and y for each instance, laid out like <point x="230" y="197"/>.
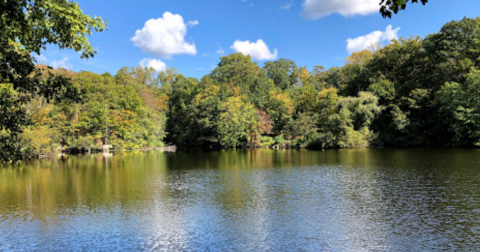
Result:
<point x="64" y="186"/>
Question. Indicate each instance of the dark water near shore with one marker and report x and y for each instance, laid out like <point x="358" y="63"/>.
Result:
<point x="336" y="200"/>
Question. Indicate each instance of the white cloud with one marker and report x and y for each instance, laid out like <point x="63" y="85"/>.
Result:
<point x="156" y="64"/>
<point x="286" y="6"/>
<point x="165" y="36"/>
<point x="220" y="51"/>
<point x="63" y="63"/>
<point x="40" y="58"/>
<point x="364" y="42"/>
<point x="257" y="50"/>
<point x="320" y="8"/>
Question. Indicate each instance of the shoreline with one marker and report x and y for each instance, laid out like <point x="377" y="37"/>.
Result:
<point x="174" y="149"/>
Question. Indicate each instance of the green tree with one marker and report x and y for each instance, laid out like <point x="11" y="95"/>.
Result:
<point x="356" y="72"/>
<point x="236" y="123"/>
<point x="205" y="110"/>
<point x="27" y="27"/>
<point x="300" y="127"/>
<point x="452" y="52"/>
<point x="279" y="108"/>
<point x="283" y="72"/>
<point x="461" y="108"/>
<point x="238" y="70"/>
<point x="181" y="126"/>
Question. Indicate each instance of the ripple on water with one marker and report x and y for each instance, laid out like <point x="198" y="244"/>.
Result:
<point x="369" y="200"/>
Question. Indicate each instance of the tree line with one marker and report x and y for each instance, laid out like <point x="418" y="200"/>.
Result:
<point x="415" y="92"/>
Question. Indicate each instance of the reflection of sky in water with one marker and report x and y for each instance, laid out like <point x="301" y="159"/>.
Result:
<point x="352" y="200"/>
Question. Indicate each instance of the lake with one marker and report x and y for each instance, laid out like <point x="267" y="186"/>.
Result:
<point x="262" y="200"/>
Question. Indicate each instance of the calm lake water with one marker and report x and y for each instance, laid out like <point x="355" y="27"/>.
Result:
<point x="336" y="200"/>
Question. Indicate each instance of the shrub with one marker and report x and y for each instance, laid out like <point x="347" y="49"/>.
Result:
<point x="279" y="140"/>
<point x="266" y="141"/>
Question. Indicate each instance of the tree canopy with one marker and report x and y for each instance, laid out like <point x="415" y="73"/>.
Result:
<point x="27" y="26"/>
<point x="415" y="92"/>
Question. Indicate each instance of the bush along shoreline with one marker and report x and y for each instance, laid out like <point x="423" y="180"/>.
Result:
<point x="413" y="92"/>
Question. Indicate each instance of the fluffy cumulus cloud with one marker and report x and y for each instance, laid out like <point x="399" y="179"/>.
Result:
<point x="257" y="50"/>
<point x="63" y="63"/>
<point x="371" y="39"/>
<point x="165" y="36"/>
<point x="156" y="64"/>
<point x="320" y="8"/>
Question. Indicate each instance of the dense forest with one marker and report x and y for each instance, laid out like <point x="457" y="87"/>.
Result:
<point x="415" y="92"/>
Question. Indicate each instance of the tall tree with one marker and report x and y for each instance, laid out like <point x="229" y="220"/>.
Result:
<point x="26" y="27"/>
<point x="283" y="72"/>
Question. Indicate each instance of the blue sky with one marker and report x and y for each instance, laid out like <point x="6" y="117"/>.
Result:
<point x="191" y="35"/>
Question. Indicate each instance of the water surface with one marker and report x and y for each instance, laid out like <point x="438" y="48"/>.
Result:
<point x="336" y="200"/>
